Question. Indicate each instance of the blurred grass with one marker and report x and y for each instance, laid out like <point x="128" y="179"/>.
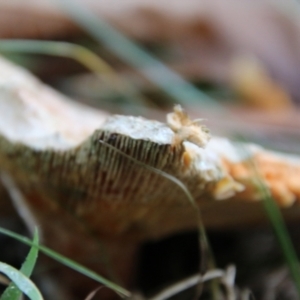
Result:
<point x="84" y="56"/>
<point x="171" y="83"/>
<point x="280" y="229"/>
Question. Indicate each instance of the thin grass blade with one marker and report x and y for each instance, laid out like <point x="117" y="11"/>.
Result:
<point x="68" y="262"/>
<point x="204" y="246"/>
<point x="21" y="281"/>
<point x="12" y="292"/>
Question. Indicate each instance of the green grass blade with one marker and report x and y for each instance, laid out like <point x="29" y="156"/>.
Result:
<point x="12" y="292"/>
<point x="68" y="262"/>
<point x="21" y="281"/>
<point x="276" y="219"/>
<point x="28" y="265"/>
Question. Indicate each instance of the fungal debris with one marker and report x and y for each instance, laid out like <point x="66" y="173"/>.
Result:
<point x="226" y="188"/>
<point x="186" y="129"/>
<point x="195" y="159"/>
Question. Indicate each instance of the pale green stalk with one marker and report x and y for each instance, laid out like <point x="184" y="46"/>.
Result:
<point x="80" y="54"/>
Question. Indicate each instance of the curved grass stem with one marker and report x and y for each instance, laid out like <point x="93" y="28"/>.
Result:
<point x="206" y="253"/>
<point x="81" y="54"/>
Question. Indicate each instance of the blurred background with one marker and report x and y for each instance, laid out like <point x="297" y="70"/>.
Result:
<point x="239" y="59"/>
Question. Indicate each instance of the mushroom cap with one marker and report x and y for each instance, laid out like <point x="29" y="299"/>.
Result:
<point x="113" y="172"/>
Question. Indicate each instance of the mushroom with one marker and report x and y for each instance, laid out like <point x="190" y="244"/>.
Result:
<point x="86" y="177"/>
